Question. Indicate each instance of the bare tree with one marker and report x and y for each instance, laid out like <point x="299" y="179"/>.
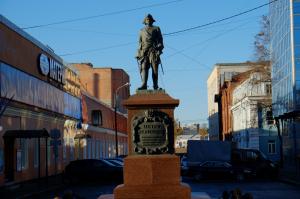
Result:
<point x="262" y="41"/>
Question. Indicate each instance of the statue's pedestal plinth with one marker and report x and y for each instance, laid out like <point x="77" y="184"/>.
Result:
<point x="150" y="123"/>
<point x="152" y="177"/>
<point x="151" y="171"/>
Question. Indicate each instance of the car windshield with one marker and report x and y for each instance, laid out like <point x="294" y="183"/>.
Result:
<point x="114" y="162"/>
<point x="109" y="163"/>
<point x="117" y="162"/>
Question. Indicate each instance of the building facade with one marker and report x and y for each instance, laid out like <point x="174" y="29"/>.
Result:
<point x="103" y="83"/>
<point x="285" y="60"/>
<point x="250" y="109"/>
<point x="220" y="73"/>
<point x="98" y="130"/>
<point x="49" y="118"/>
<point x="226" y="92"/>
<point x="41" y="111"/>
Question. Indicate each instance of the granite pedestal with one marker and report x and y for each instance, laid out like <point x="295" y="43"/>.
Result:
<point x="148" y="174"/>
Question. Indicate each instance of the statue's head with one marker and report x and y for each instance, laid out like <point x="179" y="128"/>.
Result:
<point x="148" y="19"/>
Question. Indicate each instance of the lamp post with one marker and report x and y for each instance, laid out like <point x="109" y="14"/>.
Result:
<point x="115" y="107"/>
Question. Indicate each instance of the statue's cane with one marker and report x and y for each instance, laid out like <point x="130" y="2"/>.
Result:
<point x="162" y="68"/>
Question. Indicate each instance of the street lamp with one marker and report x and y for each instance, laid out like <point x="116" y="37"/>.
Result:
<point x="115" y="106"/>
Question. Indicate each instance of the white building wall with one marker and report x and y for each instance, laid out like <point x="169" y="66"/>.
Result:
<point x="245" y="110"/>
<point x="219" y="74"/>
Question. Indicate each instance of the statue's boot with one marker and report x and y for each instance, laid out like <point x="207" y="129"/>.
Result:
<point x="144" y="75"/>
<point x="155" y="82"/>
<point x="143" y="87"/>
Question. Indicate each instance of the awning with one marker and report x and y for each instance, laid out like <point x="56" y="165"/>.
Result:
<point x="82" y="135"/>
<point x="43" y="133"/>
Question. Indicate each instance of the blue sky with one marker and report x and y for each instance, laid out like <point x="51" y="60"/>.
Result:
<point x="111" y="40"/>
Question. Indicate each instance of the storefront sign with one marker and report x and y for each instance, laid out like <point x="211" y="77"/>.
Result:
<point x="44" y="64"/>
<point x="53" y="69"/>
<point x="30" y="90"/>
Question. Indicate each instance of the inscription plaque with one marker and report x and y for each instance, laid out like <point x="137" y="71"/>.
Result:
<point x="152" y="133"/>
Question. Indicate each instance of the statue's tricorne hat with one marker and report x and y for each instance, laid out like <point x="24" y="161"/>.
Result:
<point x="148" y="16"/>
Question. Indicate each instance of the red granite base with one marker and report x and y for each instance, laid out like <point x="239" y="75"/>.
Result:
<point x="152" y="177"/>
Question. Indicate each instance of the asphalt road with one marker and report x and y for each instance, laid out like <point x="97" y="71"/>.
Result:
<point x="260" y="189"/>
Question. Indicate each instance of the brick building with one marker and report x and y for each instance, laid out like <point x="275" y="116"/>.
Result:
<point x="226" y="104"/>
<point x="98" y="125"/>
<point x="102" y="83"/>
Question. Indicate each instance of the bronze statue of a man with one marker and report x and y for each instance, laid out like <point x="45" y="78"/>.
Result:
<point x="149" y="51"/>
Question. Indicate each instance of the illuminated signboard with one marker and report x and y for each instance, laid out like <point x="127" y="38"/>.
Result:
<point x="51" y="68"/>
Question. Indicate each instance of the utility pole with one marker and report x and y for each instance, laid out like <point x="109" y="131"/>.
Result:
<point x="116" y="122"/>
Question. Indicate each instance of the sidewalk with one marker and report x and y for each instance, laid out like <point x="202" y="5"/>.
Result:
<point x="32" y="188"/>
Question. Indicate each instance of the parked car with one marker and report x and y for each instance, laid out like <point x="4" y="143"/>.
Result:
<point x="116" y="161"/>
<point x="211" y="170"/>
<point x="249" y="163"/>
<point x="97" y="170"/>
<point x="245" y="163"/>
<point x="184" y="166"/>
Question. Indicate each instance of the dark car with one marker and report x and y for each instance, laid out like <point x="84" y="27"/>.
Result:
<point x="249" y="163"/>
<point x="116" y="161"/>
<point x="97" y="170"/>
<point x="184" y="166"/>
<point x="211" y="170"/>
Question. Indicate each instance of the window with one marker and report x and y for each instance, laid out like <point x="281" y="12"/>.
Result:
<point x="24" y="152"/>
<point x="89" y="149"/>
<point x="48" y="151"/>
<point x="268" y="89"/>
<point x="84" y="144"/>
<point x="93" y="143"/>
<point x="125" y="148"/>
<point x="65" y="141"/>
<point x="97" y="149"/>
<point x="96" y="118"/>
<point x="72" y="154"/>
<point x="100" y="149"/>
<point x="36" y="152"/>
<point x="271" y="147"/>
<point x="269" y="117"/>
<point x="251" y="156"/>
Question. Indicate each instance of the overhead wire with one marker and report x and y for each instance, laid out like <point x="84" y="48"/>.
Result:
<point x="178" y="51"/>
<point x="133" y="35"/>
<point x="177" y="32"/>
<point x="201" y="43"/>
<point x="220" y="20"/>
<point x="101" y="15"/>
